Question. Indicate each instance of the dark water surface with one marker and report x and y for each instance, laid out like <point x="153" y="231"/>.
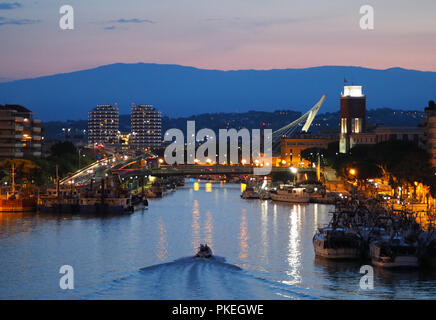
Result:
<point x="263" y="251"/>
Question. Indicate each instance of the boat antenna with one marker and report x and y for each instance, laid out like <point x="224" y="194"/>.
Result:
<point x="57" y="181"/>
<point x="13" y="177"/>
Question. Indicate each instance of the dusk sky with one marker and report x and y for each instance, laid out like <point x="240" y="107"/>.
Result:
<point x="225" y="34"/>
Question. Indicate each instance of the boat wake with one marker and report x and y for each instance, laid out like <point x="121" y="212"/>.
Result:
<point x="195" y="278"/>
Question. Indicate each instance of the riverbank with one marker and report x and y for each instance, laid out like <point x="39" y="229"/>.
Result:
<point x="267" y="249"/>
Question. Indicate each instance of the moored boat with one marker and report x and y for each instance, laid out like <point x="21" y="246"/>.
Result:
<point x="249" y="193"/>
<point x="394" y="252"/>
<point x="17" y="205"/>
<point x="289" y="194"/>
<point x="337" y="243"/>
<point x="155" y="192"/>
<point x="16" y="199"/>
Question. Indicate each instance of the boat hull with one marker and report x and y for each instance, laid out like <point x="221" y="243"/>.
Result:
<point x="20" y="205"/>
<point x="339" y="253"/>
<point x="290" y="199"/>
<point x="397" y="261"/>
<point x="325" y="249"/>
<point x="250" y="196"/>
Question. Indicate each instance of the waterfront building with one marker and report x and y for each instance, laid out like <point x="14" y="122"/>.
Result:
<point x="354" y="130"/>
<point x="146" y="127"/>
<point x="352" y="116"/>
<point x="291" y="148"/>
<point x="103" y="124"/>
<point x="21" y="134"/>
<point x="382" y="134"/>
<point x="430" y="131"/>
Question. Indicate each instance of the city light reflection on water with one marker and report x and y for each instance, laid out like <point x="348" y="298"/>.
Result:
<point x="144" y="255"/>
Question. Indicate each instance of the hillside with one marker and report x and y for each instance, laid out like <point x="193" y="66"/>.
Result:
<point x="183" y="91"/>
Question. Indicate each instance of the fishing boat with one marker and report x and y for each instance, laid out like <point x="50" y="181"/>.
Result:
<point x="18" y="204"/>
<point x="60" y="205"/>
<point x="290" y="194"/>
<point x="108" y="206"/>
<point x="249" y="193"/>
<point x="337" y="243"/>
<point x="394" y="252"/>
<point x="15" y="200"/>
<point x="155" y="191"/>
<point x="180" y="182"/>
<point x="139" y="202"/>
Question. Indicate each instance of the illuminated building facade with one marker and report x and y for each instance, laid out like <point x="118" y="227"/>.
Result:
<point x="353" y="127"/>
<point x="103" y="124"/>
<point x="21" y="135"/>
<point x="146" y="127"/>
<point x="352" y="116"/>
<point x="382" y="134"/>
<point x="123" y="140"/>
<point x="291" y="148"/>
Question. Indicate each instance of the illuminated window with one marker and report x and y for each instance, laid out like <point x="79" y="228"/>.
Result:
<point x="357" y="125"/>
<point x="343" y="125"/>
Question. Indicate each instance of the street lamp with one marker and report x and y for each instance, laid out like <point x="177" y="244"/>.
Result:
<point x="352" y="172"/>
<point x="80" y="153"/>
<point x="294" y="172"/>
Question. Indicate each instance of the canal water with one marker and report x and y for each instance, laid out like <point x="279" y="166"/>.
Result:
<point x="263" y="250"/>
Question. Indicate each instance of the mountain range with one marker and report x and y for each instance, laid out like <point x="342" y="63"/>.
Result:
<point x="180" y="91"/>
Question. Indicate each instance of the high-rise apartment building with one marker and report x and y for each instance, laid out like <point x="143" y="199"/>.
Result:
<point x="146" y="127"/>
<point x="103" y="124"/>
<point x="20" y="133"/>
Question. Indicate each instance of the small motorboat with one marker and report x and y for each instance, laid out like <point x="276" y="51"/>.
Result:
<point x="249" y="193"/>
<point x="204" y="251"/>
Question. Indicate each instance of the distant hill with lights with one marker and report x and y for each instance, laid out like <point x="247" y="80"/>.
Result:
<point x="76" y="129"/>
<point x="180" y="91"/>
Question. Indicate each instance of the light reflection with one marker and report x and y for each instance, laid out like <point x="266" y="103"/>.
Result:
<point x="243" y="236"/>
<point x="10" y="217"/>
<point x="293" y="246"/>
<point x="264" y="229"/>
<point x="163" y="244"/>
<point x="275" y="218"/>
<point x="195" y="225"/>
<point x="208" y="187"/>
<point x="208" y="229"/>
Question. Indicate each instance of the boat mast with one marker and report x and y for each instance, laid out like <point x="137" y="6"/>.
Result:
<point x="57" y="181"/>
<point x="13" y="177"/>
